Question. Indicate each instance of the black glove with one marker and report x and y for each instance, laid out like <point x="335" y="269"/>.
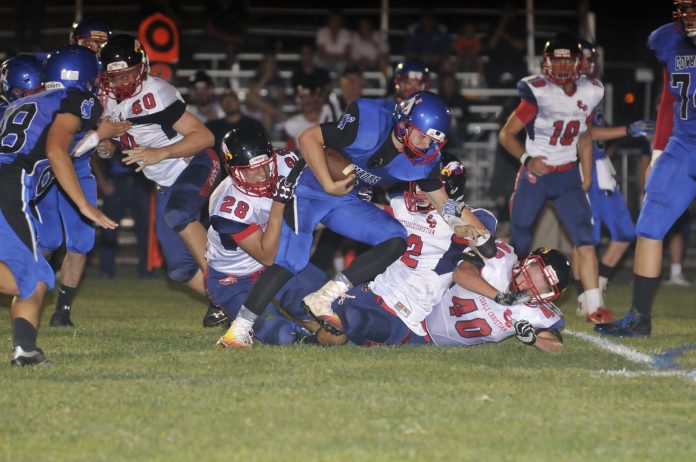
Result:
<point x="284" y="189"/>
<point x="525" y="332"/>
<point x="366" y="193"/>
<point x="512" y="298"/>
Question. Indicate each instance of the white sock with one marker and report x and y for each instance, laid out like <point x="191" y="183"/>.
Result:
<point x="603" y="281"/>
<point x="594" y="299"/>
<point x="675" y="269"/>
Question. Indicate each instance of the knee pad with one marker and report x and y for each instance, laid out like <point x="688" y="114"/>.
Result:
<point x="177" y="219"/>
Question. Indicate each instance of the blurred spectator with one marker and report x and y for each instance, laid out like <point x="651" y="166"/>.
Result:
<point x="267" y="95"/>
<point x="333" y="43"/>
<point x="351" y="84"/>
<point x="308" y="101"/>
<point x="122" y="190"/>
<point x="506" y="49"/>
<point x="458" y="106"/>
<point x="427" y="41"/>
<point x="201" y="98"/>
<point x="309" y="75"/>
<point x="233" y="119"/>
<point x="225" y="27"/>
<point x="467" y="49"/>
<point x="368" y="48"/>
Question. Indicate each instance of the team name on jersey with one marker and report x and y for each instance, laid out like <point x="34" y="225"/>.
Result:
<point x="366" y="177"/>
<point x="417" y="227"/>
<point x="684" y="62"/>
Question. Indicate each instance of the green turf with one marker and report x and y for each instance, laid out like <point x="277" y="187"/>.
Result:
<point x="140" y="380"/>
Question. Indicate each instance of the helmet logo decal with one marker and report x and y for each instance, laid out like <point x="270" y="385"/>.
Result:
<point x="66" y="74"/>
<point x="116" y="66"/>
<point x="345" y="120"/>
<point x="86" y="108"/>
<point x="561" y="53"/>
<point x="582" y="106"/>
<point x="254" y="161"/>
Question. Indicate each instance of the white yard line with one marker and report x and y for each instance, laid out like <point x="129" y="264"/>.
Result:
<point x="631" y="355"/>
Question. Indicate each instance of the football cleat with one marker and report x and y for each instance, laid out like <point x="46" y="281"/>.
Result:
<point x="237" y="336"/>
<point x="27" y="358"/>
<point x="678" y="280"/>
<point x="632" y="325"/>
<point x="214" y="316"/>
<point x="61" y="318"/>
<point x="601" y="315"/>
<point x="318" y="306"/>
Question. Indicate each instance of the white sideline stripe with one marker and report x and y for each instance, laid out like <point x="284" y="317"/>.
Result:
<point x="624" y="373"/>
<point x="628" y="353"/>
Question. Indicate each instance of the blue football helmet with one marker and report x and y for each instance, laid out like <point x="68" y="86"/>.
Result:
<point x="588" y="63"/>
<point x="72" y="66"/>
<point x="21" y="76"/>
<point x="90" y="33"/>
<point x="411" y="76"/>
<point x="421" y="123"/>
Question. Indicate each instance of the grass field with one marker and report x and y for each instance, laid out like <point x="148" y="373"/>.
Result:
<point x="140" y="380"/>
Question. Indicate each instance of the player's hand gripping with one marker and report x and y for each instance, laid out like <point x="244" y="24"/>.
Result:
<point x="462" y="221"/>
<point x="147" y="156"/>
<point x="525" y="332"/>
<point x="512" y="298"/>
<point x="284" y="189"/>
<point x="108" y="129"/>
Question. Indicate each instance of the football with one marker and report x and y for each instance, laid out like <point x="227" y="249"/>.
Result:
<point x="339" y="164"/>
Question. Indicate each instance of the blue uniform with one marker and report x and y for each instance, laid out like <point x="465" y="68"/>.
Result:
<point x="349" y="215"/>
<point x="25" y="175"/>
<point x="671" y="186"/>
<point x="608" y="205"/>
<point x="228" y="292"/>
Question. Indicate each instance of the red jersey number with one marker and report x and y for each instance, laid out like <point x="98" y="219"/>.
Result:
<point x="228" y="203"/>
<point x="572" y="129"/>
<point x="414" y="247"/>
<point x="470" y="328"/>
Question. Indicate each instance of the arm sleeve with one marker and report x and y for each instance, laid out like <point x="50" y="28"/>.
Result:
<point x="166" y="117"/>
<point x="663" y="126"/>
<point x="82" y="105"/>
<point x="432" y="182"/>
<point x="343" y="132"/>
<point x="236" y="230"/>
<point x="526" y="111"/>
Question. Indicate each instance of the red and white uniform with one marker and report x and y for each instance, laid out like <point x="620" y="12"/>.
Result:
<point x="153" y="111"/>
<point x="414" y="283"/>
<point x="465" y="318"/>
<point x="250" y="213"/>
<point x="554" y="119"/>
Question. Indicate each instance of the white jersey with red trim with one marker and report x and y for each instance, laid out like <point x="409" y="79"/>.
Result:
<point x="151" y="111"/>
<point x="560" y="118"/>
<point x="249" y="213"/>
<point x="414" y="283"/>
<point x="466" y="318"/>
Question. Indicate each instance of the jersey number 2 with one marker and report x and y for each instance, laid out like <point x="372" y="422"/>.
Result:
<point x="414" y="247"/>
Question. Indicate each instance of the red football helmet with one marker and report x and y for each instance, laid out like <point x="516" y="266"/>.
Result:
<point x="684" y="16"/>
<point x="561" y="62"/>
<point x="544" y="274"/>
<point x="453" y="178"/>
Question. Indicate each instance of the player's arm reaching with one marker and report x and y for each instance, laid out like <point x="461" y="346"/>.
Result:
<point x="196" y="137"/>
<point x="585" y="156"/>
<point x="548" y="340"/>
<point x="312" y="142"/>
<point x="60" y="136"/>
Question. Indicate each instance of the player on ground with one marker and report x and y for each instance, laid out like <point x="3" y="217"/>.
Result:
<point x="38" y="132"/>
<point x="465" y="318"/>
<point x="385" y="150"/>
<point x="607" y="203"/>
<point x="172" y="148"/>
<point x="671" y="184"/>
<point x="246" y="211"/>
<point x="556" y="109"/>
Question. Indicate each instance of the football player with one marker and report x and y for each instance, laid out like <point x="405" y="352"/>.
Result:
<point x="59" y="219"/>
<point x="172" y="148"/>
<point x="607" y="203"/>
<point x="390" y="309"/>
<point x="465" y="318"/>
<point x="386" y="148"/>
<point x="38" y="132"/>
<point x="556" y="109"/>
<point x="671" y="182"/>
<point x="246" y="210"/>
<point x="20" y="76"/>
<point x="410" y="76"/>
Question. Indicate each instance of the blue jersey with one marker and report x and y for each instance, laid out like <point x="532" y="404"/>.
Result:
<point x="375" y="126"/>
<point x="679" y="58"/>
<point x="24" y="129"/>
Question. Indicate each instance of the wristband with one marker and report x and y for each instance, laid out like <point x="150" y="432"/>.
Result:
<point x="525" y="158"/>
